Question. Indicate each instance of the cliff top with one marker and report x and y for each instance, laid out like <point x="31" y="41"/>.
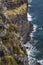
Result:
<point x="18" y="11"/>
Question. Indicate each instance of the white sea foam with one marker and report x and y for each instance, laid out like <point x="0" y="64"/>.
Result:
<point x="29" y="17"/>
<point x="31" y="35"/>
<point x="28" y="45"/>
<point x="32" y="49"/>
<point x="31" y="60"/>
<point x="28" y="52"/>
<point x="29" y="5"/>
<point x="40" y="28"/>
<point x="31" y="55"/>
<point x="34" y="28"/>
<point x="40" y="61"/>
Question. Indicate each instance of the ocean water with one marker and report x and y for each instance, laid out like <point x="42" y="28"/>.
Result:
<point x="35" y="16"/>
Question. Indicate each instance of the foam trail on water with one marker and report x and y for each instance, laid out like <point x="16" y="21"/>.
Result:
<point x="40" y="61"/>
<point x="34" y="27"/>
<point x="29" y="5"/>
<point x="34" y="30"/>
<point x="30" y="50"/>
<point x="40" y="28"/>
<point x="29" y="17"/>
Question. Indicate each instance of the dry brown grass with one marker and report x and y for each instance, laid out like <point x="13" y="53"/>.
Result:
<point x="18" y="11"/>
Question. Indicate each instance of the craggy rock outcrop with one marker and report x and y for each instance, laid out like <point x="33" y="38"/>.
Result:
<point x="19" y="16"/>
<point x="14" y="29"/>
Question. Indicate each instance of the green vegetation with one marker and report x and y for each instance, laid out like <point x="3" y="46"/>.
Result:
<point x="13" y="27"/>
<point x="8" y="60"/>
<point x="18" y="50"/>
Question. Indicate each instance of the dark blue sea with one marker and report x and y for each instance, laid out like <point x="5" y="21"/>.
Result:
<point x="35" y="16"/>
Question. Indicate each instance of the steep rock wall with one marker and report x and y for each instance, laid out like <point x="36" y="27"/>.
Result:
<point x="15" y="17"/>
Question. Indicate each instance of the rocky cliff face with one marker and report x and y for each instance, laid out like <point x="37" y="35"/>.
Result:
<point x="19" y="17"/>
<point x="14" y="31"/>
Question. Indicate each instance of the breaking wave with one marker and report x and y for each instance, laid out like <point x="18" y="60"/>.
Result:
<point x="35" y="17"/>
<point x="29" y="17"/>
<point x="40" y="61"/>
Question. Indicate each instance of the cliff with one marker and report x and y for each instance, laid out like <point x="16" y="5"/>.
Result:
<point x="14" y="32"/>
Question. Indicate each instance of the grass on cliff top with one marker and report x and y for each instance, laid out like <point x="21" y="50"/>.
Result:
<point x="16" y="0"/>
<point x="8" y="60"/>
<point x="18" y="11"/>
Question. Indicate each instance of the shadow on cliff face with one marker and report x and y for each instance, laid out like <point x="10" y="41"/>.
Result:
<point x="10" y="4"/>
<point x="24" y="27"/>
<point x="1" y="53"/>
<point x="19" y="19"/>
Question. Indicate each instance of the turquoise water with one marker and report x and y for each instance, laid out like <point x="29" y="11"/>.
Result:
<point x="35" y="16"/>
